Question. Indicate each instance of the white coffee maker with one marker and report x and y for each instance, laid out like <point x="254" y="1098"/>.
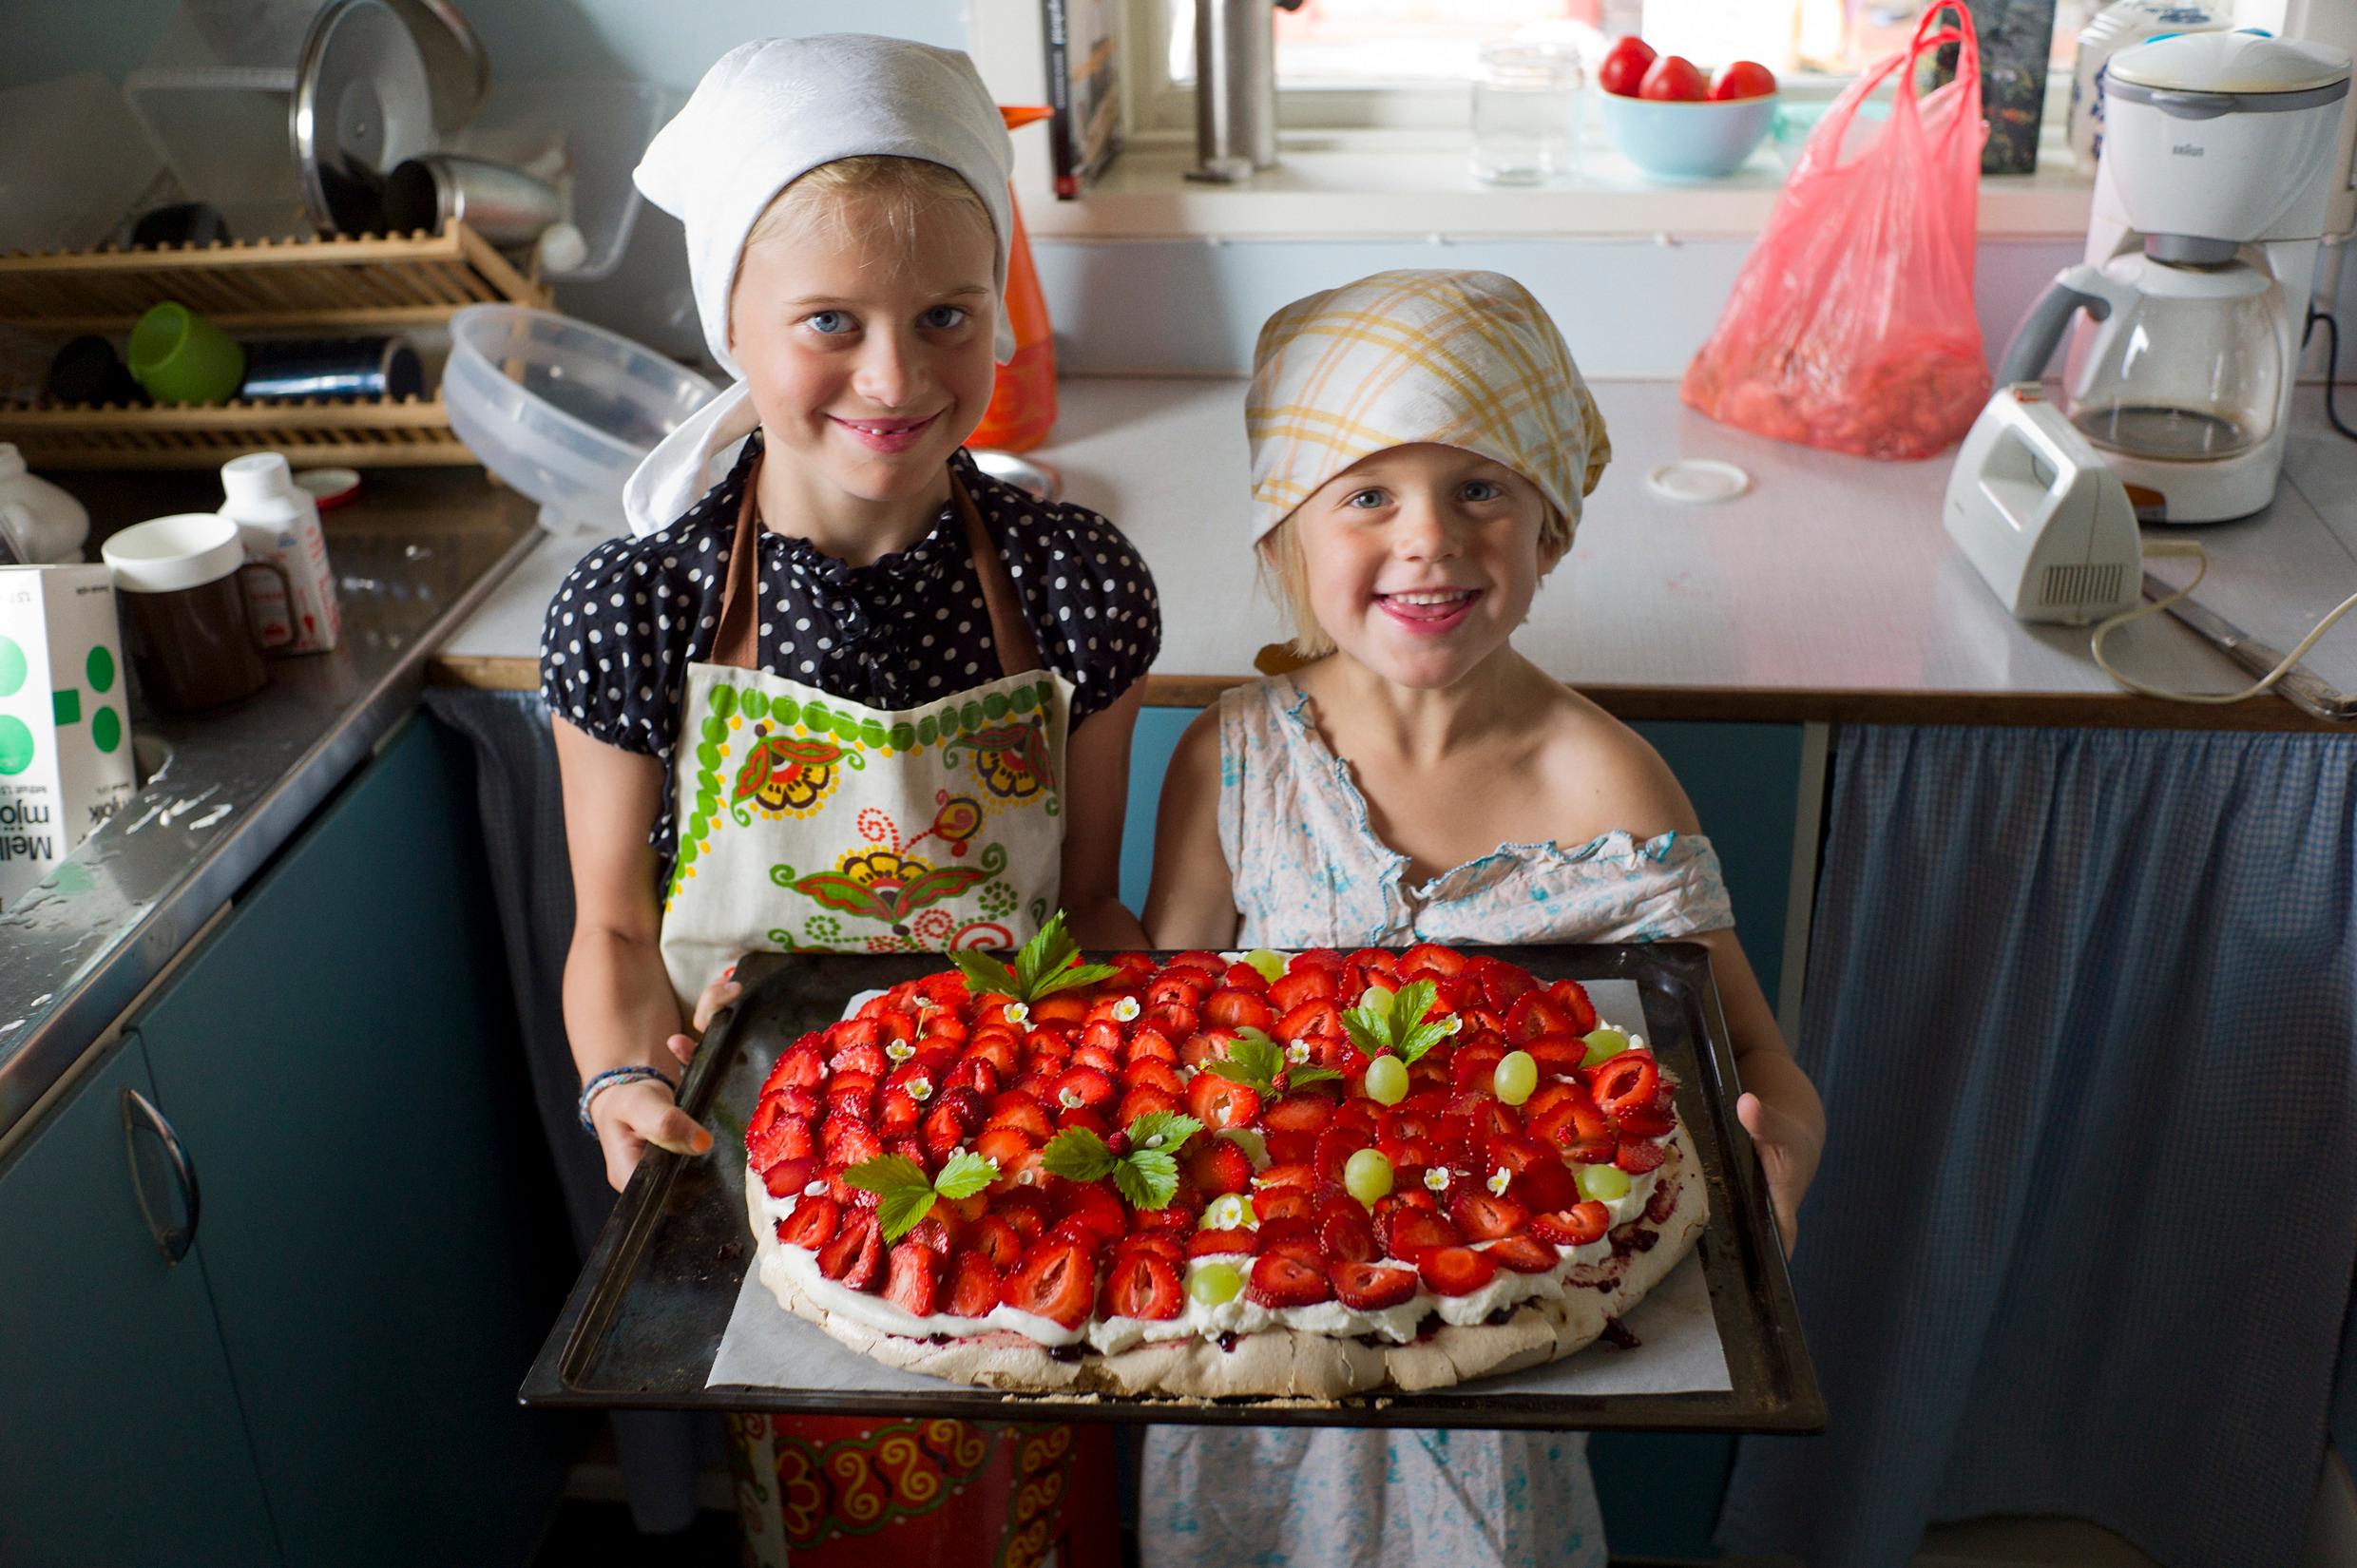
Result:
<point x="2218" y="158"/>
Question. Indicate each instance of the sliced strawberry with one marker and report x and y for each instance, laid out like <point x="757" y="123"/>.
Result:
<point x="1176" y="1020"/>
<point x="1297" y="986"/>
<point x="1275" y="1229"/>
<point x="1023" y="1113"/>
<point x="1624" y="1082"/>
<point x="1096" y="1207"/>
<point x="1219" y="1166"/>
<point x="1066" y="1007"/>
<point x="1143" y="1099"/>
<point x="1336" y="1146"/>
<point x="911" y="1148"/>
<point x="934" y="1230"/>
<point x="1003" y="1144"/>
<point x="1275" y="1203"/>
<point x="1317" y="1019"/>
<point x="812" y="1223"/>
<point x="944" y="989"/>
<point x="844" y="1140"/>
<point x="1302" y="1112"/>
<point x="900" y="1115"/>
<point x="1358" y="1114"/>
<point x="1412" y="1196"/>
<point x="864" y="1057"/>
<point x="856" y="1257"/>
<point x="785" y="1177"/>
<point x="1572" y="998"/>
<point x="1578" y="1129"/>
<point x="1536" y="1013"/>
<point x="1173" y="989"/>
<point x="803" y="1067"/>
<point x="1232" y="1008"/>
<point x="974" y="1281"/>
<point x="845" y="1033"/>
<point x="1430" y="958"/>
<point x="1348" y="1237"/>
<point x="1056" y="1280"/>
<point x="1639" y="1155"/>
<point x="915" y="1282"/>
<point x="1472" y="1066"/>
<point x="1411" y="1233"/>
<point x="1083" y="1088"/>
<point x="1483" y="1217"/>
<point x="1557" y="1055"/>
<point x="1027" y="1210"/>
<point x="1290" y="1148"/>
<point x="975" y="1073"/>
<point x="848" y="1195"/>
<point x="1574" y="1227"/>
<point x="1282" y="1279"/>
<point x="1105" y="1059"/>
<point x="851" y="1097"/>
<point x="1162" y="1243"/>
<point x="1143" y="1284"/>
<point x="1369" y="1288"/>
<point x="1655" y="1119"/>
<point x="1243" y="977"/>
<point x="1545" y="1183"/>
<point x="1147" y="1072"/>
<point x="1299" y="1174"/>
<point x="1205" y="1242"/>
<point x="998" y="1047"/>
<point x="1376" y="964"/>
<point x="1217" y="1102"/>
<point x="994" y="1238"/>
<point x="1523" y="1253"/>
<point x="1456" y="1270"/>
<point x="951" y="1121"/>
<point x="786" y="1136"/>
<point x="1151" y="1046"/>
<point x="1500" y="982"/>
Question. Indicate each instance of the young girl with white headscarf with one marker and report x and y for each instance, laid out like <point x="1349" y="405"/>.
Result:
<point x="1422" y="443"/>
<point x="841" y="690"/>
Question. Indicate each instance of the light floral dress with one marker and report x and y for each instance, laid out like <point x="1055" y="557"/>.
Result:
<point x="1309" y="871"/>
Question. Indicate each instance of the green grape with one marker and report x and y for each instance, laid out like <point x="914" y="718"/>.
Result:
<point x="1516" y="1078"/>
<point x="1603" y="1182"/>
<point x="1387" y="1079"/>
<point x="1603" y="1045"/>
<point x="1271" y="965"/>
<point x="1366" y="1176"/>
<point x="1377" y="995"/>
<point x="1249" y="1140"/>
<point x="1212" y="1283"/>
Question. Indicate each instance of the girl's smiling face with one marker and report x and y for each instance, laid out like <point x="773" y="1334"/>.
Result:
<point x="1420" y="561"/>
<point x="866" y="346"/>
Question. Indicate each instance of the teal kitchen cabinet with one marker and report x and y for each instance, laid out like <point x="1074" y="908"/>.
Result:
<point x="121" y="1438"/>
<point x="379" y="1228"/>
<point x="1749" y="785"/>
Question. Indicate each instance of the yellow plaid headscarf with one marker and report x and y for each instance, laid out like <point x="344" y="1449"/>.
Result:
<point x="1464" y="360"/>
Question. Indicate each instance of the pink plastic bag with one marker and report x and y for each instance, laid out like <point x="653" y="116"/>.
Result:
<point x="1851" y="325"/>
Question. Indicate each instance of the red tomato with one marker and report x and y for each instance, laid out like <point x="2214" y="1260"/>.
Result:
<point x="1673" y="77"/>
<point x="1624" y="65"/>
<point x="1744" y="79"/>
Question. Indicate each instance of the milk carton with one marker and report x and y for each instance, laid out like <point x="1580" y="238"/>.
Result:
<point x="65" y="731"/>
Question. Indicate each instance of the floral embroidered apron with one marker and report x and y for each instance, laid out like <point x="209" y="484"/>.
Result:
<point x="810" y="822"/>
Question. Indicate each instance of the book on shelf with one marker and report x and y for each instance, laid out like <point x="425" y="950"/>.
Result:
<point x="1083" y="87"/>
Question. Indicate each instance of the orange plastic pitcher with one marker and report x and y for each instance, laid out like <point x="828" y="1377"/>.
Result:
<point x="1022" y="400"/>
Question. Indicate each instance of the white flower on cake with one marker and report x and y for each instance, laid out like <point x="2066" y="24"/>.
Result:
<point x="1500" y="1179"/>
<point x="918" y="1089"/>
<point x="1018" y="1013"/>
<point x="1126" y="1010"/>
<point x="1437" y="1177"/>
<point x="1298" y="1052"/>
<point x="900" y="1050"/>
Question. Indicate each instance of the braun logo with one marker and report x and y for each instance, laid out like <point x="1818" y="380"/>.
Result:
<point x="2188" y="149"/>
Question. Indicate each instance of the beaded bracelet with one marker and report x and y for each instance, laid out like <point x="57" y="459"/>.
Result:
<point x="600" y="1082"/>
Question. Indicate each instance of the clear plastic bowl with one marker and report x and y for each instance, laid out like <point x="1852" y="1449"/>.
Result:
<point x="560" y="410"/>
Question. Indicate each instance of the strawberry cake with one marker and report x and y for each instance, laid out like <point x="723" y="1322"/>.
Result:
<point x="1301" y="1176"/>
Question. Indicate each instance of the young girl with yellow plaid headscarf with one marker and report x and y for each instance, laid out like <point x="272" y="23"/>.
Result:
<point x="1421" y="442"/>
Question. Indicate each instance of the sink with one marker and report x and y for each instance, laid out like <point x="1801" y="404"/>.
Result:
<point x="150" y="756"/>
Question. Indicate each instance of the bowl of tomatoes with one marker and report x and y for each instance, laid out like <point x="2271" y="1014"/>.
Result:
<point x="1674" y="122"/>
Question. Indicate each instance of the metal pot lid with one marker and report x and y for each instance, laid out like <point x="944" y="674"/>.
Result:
<point x="458" y="70"/>
<point x="2228" y="63"/>
<point x="363" y="103"/>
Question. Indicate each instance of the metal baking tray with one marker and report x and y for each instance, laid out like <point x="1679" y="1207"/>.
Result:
<point x="644" y="1320"/>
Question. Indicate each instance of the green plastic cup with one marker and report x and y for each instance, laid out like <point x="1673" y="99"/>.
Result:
<point x="181" y="357"/>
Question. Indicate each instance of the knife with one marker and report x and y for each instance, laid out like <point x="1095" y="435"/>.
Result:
<point x="2302" y="687"/>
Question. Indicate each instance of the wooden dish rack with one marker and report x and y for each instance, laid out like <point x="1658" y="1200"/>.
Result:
<point x="339" y="287"/>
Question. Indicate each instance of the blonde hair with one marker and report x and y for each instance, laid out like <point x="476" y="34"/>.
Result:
<point x="1285" y="571"/>
<point x="906" y="193"/>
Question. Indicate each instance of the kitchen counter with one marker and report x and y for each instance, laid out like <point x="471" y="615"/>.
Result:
<point x="1828" y="592"/>
<point x="414" y="557"/>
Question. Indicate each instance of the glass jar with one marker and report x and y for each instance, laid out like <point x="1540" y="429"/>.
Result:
<point x="1525" y="112"/>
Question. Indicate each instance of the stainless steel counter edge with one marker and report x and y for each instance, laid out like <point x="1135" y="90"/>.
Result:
<point x="63" y="1024"/>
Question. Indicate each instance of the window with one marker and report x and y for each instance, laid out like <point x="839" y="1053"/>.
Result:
<point x="1375" y="63"/>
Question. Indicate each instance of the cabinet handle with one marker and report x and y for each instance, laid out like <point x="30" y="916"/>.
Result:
<point x="172" y="1239"/>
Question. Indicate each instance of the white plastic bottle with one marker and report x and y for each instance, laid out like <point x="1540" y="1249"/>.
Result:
<point x="280" y="523"/>
<point x="2115" y="28"/>
<point x="40" y="525"/>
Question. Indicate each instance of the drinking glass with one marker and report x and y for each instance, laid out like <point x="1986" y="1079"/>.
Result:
<point x="1525" y="112"/>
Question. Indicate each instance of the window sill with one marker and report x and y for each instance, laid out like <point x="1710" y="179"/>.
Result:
<point x="1367" y="186"/>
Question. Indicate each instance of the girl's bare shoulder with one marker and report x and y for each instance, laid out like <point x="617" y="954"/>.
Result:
<point x="1606" y="773"/>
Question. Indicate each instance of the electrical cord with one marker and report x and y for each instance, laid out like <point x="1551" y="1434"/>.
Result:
<point x="2332" y="362"/>
<point x="2193" y="547"/>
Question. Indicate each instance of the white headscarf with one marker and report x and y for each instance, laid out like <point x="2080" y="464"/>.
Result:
<point x="1464" y="360"/>
<point x="767" y="113"/>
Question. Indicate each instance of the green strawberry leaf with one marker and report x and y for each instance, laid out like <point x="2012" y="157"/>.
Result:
<point x="1167" y="1131"/>
<point x="888" y="1173"/>
<point x="985" y="973"/>
<point x="1297" y="1076"/>
<point x="1078" y="1154"/>
<point x="1148" y="1177"/>
<point x="1369" y="1030"/>
<point x="1043" y="967"/>
<point x="964" y="1173"/>
<point x="902" y="1208"/>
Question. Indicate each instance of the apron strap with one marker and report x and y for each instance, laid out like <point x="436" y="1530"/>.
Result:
<point x="737" y="647"/>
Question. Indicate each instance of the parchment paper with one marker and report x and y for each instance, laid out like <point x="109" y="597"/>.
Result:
<point x="767" y="1346"/>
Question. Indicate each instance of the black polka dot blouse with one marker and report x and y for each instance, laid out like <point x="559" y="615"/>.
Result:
<point x="636" y="612"/>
